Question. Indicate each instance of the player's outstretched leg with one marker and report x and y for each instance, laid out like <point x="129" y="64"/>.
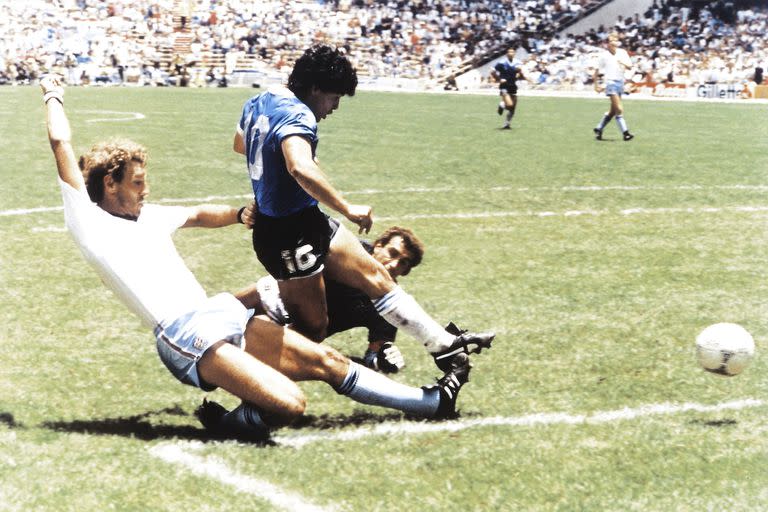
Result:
<point x="464" y="343"/>
<point x="450" y="384"/>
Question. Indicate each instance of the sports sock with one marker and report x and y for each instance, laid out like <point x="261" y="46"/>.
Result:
<point x="622" y="123"/>
<point x="603" y="121"/>
<point x="510" y="115"/>
<point x="245" y="420"/>
<point x="401" y="310"/>
<point x="501" y="104"/>
<point x="368" y="387"/>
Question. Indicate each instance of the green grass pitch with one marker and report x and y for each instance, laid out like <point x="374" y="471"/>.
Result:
<point x="597" y="263"/>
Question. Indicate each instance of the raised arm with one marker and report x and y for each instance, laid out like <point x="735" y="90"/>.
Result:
<point x="300" y="164"/>
<point x="60" y="133"/>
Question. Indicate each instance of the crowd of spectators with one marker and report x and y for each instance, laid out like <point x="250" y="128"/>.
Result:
<point x="100" y="41"/>
<point x="672" y="42"/>
<point x="199" y="42"/>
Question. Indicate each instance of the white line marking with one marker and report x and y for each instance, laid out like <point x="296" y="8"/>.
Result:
<point x="388" y="429"/>
<point x="488" y="215"/>
<point x="574" y="213"/>
<point x="418" y="190"/>
<point x="28" y="211"/>
<point x="126" y="116"/>
<point x="217" y="470"/>
<point x="428" y="190"/>
<point x="49" y="229"/>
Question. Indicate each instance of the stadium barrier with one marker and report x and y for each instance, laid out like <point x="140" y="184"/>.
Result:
<point x="761" y="92"/>
<point x="711" y="90"/>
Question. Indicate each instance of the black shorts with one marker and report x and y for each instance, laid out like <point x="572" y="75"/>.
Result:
<point x="293" y="246"/>
<point x="510" y="89"/>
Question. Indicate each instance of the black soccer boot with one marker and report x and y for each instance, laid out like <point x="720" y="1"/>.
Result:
<point x="450" y="384"/>
<point x="464" y="343"/>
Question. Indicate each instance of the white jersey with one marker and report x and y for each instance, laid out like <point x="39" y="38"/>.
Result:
<point x="612" y="65"/>
<point x="137" y="260"/>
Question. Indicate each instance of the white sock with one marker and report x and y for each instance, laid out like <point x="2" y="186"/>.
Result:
<point x="622" y="123"/>
<point x="603" y="122"/>
<point x="369" y="387"/>
<point x="401" y="310"/>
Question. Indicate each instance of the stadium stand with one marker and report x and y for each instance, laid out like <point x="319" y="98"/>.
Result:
<point x="429" y="42"/>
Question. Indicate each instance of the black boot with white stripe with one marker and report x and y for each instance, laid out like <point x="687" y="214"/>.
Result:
<point x="450" y="384"/>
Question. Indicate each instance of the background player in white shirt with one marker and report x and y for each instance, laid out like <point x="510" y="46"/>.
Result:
<point x="206" y="342"/>
<point x="612" y="63"/>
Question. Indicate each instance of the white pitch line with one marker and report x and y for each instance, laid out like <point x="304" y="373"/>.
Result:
<point x="574" y="213"/>
<point x="127" y="116"/>
<point x="507" y="214"/>
<point x="388" y="429"/>
<point x="429" y="190"/>
<point x="217" y="470"/>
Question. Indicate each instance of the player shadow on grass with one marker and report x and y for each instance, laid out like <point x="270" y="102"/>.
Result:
<point x="7" y="419"/>
<point x="142" y="426"/>
<point x="356" y="419"/>
<point x="138" y="426"/>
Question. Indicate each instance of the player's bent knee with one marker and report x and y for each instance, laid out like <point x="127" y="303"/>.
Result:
<point x="380" y="282"/>
<point x="332" y="364"/>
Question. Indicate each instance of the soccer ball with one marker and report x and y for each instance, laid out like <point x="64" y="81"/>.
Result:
<point x="725" y="349"/>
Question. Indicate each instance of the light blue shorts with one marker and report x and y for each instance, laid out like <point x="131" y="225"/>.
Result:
<point x="182" y="342"/>
<point x="614" y="87"/>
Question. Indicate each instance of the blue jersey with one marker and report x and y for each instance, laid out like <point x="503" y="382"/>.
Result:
<point x="507" y="70"/>
<point x="267" y="119"/>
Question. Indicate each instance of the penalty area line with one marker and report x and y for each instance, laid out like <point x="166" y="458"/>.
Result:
<point x="556" y="418"/>
<point x="217" y="470"/>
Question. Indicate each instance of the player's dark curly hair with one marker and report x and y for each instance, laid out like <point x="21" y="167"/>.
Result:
<point x="410" y="240"/>
<point x="109" y="157"/>
<point x="324" y="67"/>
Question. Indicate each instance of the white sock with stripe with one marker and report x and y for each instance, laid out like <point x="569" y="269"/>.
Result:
<point x="369" y="387"/>
<point x="401" y="310"/>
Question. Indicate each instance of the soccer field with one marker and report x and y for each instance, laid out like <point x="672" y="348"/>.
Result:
<point x="597" y="263"/>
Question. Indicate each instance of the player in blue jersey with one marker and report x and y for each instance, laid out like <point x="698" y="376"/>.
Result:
<point x="507" y="72"/>
<point x="399" y="250"/>
<point x="612" y="64"/>
<point x="298" y="244"/>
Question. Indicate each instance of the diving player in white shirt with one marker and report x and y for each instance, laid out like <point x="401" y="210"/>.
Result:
<point x="205" y="342"/>
<point x="612" y="64"/>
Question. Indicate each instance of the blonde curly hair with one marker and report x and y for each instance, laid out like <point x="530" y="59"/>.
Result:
<point x="109" y="158"/>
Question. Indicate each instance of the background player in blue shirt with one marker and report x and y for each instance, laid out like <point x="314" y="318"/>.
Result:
<point x="297" y="243"/>
<point x="507" y="72"/>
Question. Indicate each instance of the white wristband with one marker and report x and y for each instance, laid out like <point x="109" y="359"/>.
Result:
<point x="57" y="95"/>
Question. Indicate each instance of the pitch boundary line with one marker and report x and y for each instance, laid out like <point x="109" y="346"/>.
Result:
<point x="388" y="429"/>
<point x="499" y="215"/>
<point x="425" y="190"/>
<point x="178" y="453"/>
<point x="129" y="116"/>
<point x="217" y="470"/>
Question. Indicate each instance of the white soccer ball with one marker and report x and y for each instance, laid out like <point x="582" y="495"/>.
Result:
<point x="725" y="349"/>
